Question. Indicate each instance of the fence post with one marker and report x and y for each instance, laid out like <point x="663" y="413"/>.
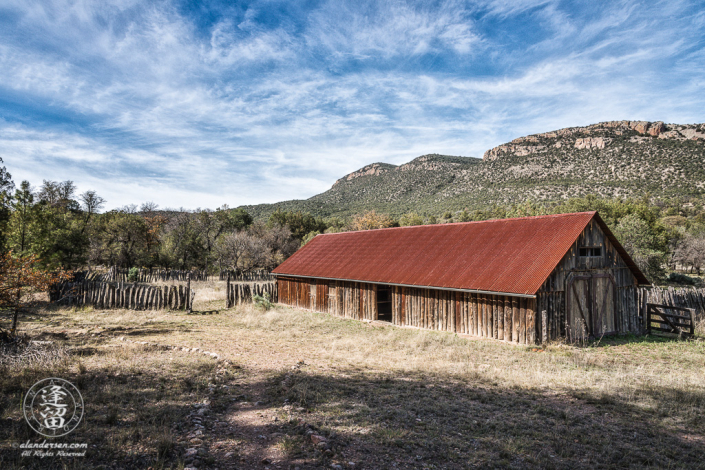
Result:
<point x="188" y="292"/>
<point x="544" y="326"/>
<point x="228" y="303"/>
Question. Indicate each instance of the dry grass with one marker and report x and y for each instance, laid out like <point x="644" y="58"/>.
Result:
<point x="383" y="397"/>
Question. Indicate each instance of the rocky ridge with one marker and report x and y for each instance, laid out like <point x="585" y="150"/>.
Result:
<point x="596" y="136"/>
<point x="614" y="159"/>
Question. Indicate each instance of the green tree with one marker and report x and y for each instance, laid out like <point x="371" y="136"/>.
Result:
<point x="410" y="218"/>
<point x="299" y="223"/>
<point x="6" y="187"/>
<point x="643" y="245"/>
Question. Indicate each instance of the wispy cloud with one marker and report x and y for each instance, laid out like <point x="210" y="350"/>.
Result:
<point x="269" y="101"/>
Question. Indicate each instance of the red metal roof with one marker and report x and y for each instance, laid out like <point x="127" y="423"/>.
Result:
<point x="506" y="255"/>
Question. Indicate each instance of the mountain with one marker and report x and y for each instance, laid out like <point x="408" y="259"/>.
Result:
<point x="609" y="159"/>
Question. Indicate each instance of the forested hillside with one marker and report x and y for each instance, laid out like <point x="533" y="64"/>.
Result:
<point x="611" y="159"/>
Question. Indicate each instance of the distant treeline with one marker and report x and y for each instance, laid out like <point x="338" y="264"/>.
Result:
<point x="67" y="230"/>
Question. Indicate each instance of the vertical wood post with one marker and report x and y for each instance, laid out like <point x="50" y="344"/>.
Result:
<point x="188" y="292"/>
<point x="544" y="326"/>
<point x="228" y="302"/>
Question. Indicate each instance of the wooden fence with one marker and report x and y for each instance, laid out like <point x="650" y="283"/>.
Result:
<point x="241" y="293"/>
<point x="684" y="297"/>
<point x="115" y="274"/>
<point x="120" y="295"/>
<point x="251" y="276"/>
<point x="669" y="319"/>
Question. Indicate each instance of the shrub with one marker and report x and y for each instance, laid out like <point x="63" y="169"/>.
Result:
<point x="133" y="274"/>
<point x="678" y="278"/>
<point x="262" y="301"/>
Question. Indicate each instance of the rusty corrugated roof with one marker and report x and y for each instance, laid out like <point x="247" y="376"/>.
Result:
<point x="505" y="255"/>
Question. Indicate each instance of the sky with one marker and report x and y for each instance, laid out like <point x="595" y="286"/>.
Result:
<point x="201" y="104"/>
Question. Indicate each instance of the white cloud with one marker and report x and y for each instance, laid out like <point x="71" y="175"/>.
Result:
<point x="140" y="103"/>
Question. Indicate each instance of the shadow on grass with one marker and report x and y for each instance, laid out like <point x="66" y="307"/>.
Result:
<point x="619" y="340"/>
<point x="451" y="423"/>
<point x="378" y="420"/>
<point x="131" y="417"/>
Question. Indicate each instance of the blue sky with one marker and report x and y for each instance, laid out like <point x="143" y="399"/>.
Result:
<point x="200" y="104"/>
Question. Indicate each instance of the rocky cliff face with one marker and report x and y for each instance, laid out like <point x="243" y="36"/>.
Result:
<point x="374" y="169"/>
<point x="596" y="136"/>
<point x="610" y="159"/>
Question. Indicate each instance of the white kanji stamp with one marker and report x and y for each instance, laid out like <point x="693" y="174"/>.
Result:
<point x="53" y="407"/>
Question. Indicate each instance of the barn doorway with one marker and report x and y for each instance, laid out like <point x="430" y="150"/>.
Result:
<point x="590" y="302"/>
<point x="384" y="303"/>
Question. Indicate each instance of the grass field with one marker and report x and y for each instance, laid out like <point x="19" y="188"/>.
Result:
<point x="292" y="388"/>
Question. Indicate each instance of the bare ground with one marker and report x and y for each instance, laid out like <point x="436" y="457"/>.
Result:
<point x="291" y="388"/>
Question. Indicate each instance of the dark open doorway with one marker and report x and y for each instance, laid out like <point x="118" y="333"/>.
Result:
<point x="384" y="303"/>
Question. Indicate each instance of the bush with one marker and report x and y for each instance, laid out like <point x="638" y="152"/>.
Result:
<point x="678" y="278"/>
<point x="133" y="274"/>
<point x="262" y="301"/>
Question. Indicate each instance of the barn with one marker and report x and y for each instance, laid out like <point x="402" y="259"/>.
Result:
<point x="525" y="280"/>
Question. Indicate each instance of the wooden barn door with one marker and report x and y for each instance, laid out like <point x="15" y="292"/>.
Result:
<point x="604" y="321"/>
<point x="590" y="306"/>
<point x="578" y="306"/>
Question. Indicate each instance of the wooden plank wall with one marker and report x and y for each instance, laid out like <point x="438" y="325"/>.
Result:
<point x="489" y="316"/>
<point x="552" y="296"/>
<point x="485" y="315"/>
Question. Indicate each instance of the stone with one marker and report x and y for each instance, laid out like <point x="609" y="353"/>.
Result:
<point x="657" y="128"/>
<point x="317" y="439"/>
<point x="191" y="452"/>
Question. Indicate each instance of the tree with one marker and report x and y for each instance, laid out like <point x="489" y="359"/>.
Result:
<point x="23" y="216"/>
<point x="120" y="238"/>
<point x="258" y="247"/>
<point x="643" y="245"/>
<point x="58" y="194"/>
<point x="182" y="245"/>
<point x="299" y="223"/>
<point x="371" y="220"/>
<point x="309" y="236"/>
<point x="91" y="203"/>
<point x="20" y="277"/>
<point x="411" y="218"/>
<point x="211" y="225"/>
<point x="278" y="241"/>
<point x="6" y="187"/>
<point x="464" y="216"/>
<point x="691" y="252"/>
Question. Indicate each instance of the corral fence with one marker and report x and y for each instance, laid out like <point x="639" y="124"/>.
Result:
<point x="83" y="290"/>
<point x="670" y="319"/>
<point x="115" y="274"/>
<point x="683" y="297"/>
<point x="253" y="276"/>
<point x="240" y="293"/>
<point x="121" y="295"/>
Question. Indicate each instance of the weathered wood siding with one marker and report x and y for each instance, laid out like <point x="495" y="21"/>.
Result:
<point x="485" y="315"/>
<point x="554" y="295"/>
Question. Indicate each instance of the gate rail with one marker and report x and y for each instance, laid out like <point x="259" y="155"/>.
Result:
<point x="670" y="322"/>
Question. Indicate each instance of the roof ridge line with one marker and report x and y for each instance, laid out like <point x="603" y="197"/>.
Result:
<point x="545" y="216"/>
